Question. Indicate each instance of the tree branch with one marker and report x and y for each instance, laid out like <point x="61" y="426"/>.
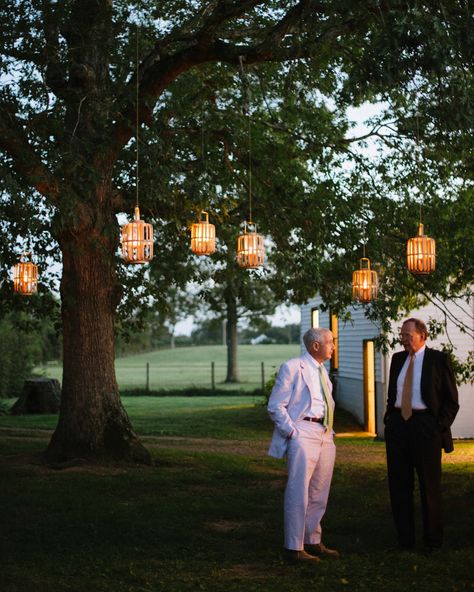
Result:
<point x="55" y="77"/>
<point x="161" y="67"/>
<point x="25" y="161"/>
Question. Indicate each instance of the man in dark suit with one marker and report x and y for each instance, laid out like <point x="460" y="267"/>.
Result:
<point x="422" y="404"/>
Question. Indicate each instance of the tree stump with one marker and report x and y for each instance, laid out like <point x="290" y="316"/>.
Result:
<point x="40" y="395"/>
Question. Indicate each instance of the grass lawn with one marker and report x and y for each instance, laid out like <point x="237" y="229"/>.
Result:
<point x="208" y="515"/>
<point x="191" y="366"/>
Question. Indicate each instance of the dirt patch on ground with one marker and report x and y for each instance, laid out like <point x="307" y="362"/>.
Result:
<point x="364" y="451"/>
<point x="243" y="572"/>
<point x="252" y="448"/>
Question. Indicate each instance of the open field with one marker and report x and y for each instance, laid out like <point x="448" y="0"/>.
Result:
<point x="208" y="514"/>
<point x="191" y="366"/>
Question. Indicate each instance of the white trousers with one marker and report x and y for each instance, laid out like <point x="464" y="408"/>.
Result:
<point x="311" y="456"/>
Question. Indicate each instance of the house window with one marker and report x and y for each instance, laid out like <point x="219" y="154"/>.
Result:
<point x="314" y="318"/>
<point x="334" y="327"/>
<point x="369" y="386"/>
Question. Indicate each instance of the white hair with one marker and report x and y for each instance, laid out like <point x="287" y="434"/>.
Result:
<point x="314" y="334"/>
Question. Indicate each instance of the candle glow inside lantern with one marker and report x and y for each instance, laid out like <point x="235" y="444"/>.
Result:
<point x="250" y="249"/>
<point x="203" y="236"/>
<point x="25" y="276"/>
<point x="364" y="282"/>
<point x="137" y="240"/>
<point x="421" y="253"/>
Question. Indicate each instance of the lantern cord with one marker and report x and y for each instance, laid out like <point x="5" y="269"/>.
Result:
<point x="136" y="110"/>
<point x="203" y="156"/>
<point x="246" y="110"/>
<point x="250" y="170"/>
<point x="419" y="177"/>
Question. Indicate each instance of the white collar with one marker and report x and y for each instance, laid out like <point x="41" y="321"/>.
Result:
<point x="420" y="351"/>
<point x="309" y="358"/>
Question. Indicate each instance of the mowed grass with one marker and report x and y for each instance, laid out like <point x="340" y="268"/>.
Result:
<point x="191" y="366"/>
<point x="220" y="417"/>
<point x="208" y="514"/>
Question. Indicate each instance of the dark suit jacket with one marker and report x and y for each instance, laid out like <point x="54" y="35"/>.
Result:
<point x="438" y="389"/>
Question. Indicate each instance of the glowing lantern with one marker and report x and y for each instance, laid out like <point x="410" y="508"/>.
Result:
<point x="421" y="253"/>
<point x="364" y="282"/>
<point x="25" y="276"/>
<point x="250" y="248"/>
<point x="137" y="240"/>
<point x="203" y="236"/>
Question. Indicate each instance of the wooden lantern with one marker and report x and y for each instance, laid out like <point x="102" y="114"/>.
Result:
<point x="250" y="249"/>
<point x="137" y="240"/>
<point x="421" y="253"/>
<point x="364" y="282"/>
<point x="203" y="236"/>
<point x="25" y="276"/>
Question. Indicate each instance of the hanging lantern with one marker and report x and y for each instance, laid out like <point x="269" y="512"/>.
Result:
<point x="250" y="248"/>
<point x="25" y="276"/>
<point x="364" y="282"/>
<point x="421" y="253"/>
<point x="137" y="240"/>
<point x="203" y="236"/>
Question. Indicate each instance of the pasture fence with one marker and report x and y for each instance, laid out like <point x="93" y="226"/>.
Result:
<point x="206" y="375"/>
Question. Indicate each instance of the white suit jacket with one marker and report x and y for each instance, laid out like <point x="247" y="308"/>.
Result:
<point x="290" y="400"/>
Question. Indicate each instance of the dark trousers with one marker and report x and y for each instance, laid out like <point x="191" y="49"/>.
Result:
<point x="415" y="445"/>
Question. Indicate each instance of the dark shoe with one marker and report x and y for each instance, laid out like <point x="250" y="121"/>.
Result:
<point x="296" y="556"/>
<point x="431" y="549"/>
<point x="320" y="550"/>
<point x="406" y="544"/>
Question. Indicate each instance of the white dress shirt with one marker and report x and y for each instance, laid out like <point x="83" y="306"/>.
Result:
<point x="416" y="400"/>
<point x="318" y="406"/>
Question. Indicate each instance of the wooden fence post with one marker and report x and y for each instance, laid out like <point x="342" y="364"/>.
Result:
<point x="263" y="376"/>
<point x="213" y="377"/>
<point x="147" y="377"/>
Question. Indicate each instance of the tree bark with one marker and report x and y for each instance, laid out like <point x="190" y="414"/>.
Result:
<point x="92" y="423"/>
<point x="232" y="317"/>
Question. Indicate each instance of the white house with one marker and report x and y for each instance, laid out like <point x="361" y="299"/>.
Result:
<point x="361" y="371"/>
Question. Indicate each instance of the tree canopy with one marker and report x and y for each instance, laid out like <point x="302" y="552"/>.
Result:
<point x="222" y="88"/>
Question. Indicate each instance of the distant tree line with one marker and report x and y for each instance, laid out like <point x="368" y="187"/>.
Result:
<point x="24" y="344"/>
<point x="212" y="332"/>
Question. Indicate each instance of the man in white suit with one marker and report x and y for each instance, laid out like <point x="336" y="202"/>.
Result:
<point x="302" y="408"/>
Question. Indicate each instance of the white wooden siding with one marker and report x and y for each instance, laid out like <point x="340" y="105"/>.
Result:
<point x="463" y="426"/>
<point x="350" y="375"/>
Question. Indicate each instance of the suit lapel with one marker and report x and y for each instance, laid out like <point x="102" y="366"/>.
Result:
<point x="425" y="372"/>
<point x="308" y="376"/>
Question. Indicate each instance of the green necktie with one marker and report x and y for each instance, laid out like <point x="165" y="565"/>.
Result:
<point x="329" y="414"/>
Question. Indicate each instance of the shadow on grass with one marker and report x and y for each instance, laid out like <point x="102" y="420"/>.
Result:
<point x="211" y="521"/>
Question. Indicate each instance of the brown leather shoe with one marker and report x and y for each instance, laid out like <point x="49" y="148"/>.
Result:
<point x="296" y="556"/>
<point x="320" y="550"/>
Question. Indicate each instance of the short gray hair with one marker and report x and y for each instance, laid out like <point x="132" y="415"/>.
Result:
<point x="314" y="334"/>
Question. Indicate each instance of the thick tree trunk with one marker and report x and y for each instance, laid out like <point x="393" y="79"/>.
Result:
<point x="92" y="422"/>
<point x="232" y="317"/>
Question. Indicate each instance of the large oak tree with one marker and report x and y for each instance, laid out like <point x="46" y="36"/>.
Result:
<point x="68" y="113"/>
